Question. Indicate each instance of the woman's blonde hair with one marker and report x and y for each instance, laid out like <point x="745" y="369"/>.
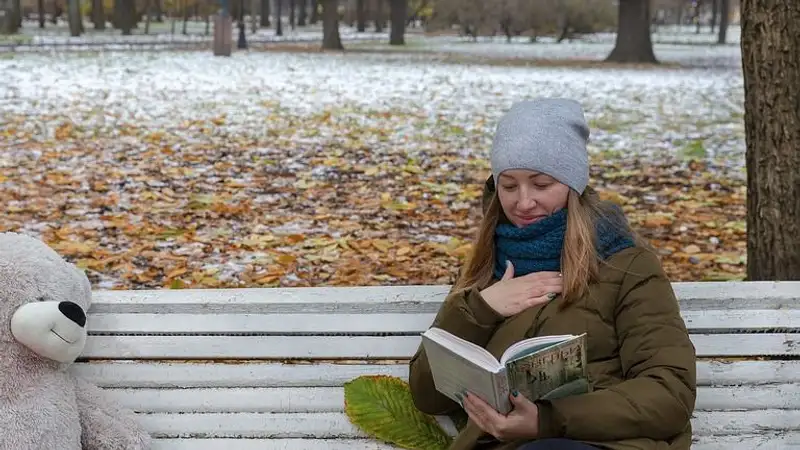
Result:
<point x="579" y="259"/>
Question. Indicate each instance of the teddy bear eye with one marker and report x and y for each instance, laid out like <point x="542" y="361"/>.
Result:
<point x="41" y="299"/>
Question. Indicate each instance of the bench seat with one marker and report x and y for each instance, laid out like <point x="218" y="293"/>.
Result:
<point x="264" y="368"/>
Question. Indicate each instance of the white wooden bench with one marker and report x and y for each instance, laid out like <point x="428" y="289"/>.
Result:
<point x="245" y="369"/>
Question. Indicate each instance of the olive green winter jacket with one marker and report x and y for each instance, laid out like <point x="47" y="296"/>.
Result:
<point x="641" y="360"/>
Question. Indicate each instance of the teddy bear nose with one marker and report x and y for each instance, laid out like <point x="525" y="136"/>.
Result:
<point x="73" y="312"/>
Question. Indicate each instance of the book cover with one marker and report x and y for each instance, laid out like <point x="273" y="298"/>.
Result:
<point x="556" y="371"/>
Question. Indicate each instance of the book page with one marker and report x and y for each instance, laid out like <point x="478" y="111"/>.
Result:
<point x="558" y="368"/>
<point x="467" y="349"/>
<point x="454" y="374"/>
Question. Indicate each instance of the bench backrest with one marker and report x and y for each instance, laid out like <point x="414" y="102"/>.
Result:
<point x="270" y="363"/>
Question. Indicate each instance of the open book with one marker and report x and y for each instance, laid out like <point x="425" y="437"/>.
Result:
<point x="539" y="368"/>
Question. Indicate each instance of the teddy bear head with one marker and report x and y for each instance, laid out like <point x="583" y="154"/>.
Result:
<point x="43" y="299"/>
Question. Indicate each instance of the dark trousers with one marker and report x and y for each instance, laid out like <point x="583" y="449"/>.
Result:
<point x="556" y="444"/>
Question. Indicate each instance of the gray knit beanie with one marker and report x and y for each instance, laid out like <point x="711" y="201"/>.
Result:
<point x="548" y="135"/>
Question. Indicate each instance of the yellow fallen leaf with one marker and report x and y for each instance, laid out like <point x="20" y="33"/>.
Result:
<point x="286" y="259"/>
<point x="177" y="272"/>
<point x="381" y="245"/>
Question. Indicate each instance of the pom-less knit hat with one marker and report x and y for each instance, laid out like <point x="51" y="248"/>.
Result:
<point x="547" y="135"/>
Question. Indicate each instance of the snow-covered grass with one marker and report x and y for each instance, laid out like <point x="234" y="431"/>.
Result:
<point x="638" y="110"/>
<point x="261" y="139"/>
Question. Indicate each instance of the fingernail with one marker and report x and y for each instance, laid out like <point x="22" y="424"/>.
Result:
<point x="515" y="393"/>
<point x="560" y="274"/>
<point x="551" y="295"/>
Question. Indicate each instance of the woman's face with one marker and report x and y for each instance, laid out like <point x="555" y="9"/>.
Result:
<point x="527" y="196"/>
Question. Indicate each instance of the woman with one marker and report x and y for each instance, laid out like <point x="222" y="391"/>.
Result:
<point x="551" y="258"/>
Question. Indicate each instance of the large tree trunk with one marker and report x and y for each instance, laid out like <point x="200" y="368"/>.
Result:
<point x="330" y="26"/>
<point x="74" y="17"/>
<point x="633" y="43"/>
<point x="771" y="67"/>
<point x="724" y="12"/>
<point x="398" y="12"/>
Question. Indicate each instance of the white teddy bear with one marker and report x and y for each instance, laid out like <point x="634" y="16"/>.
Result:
<point x="43" y="304"/>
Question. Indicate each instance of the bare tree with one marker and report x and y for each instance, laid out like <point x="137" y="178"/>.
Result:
<point x="771" y="67"/>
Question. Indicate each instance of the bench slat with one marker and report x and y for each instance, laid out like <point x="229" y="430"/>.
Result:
<point x="205" y="323"/>
<point x="270" y="444"/>
<point x="744" y="442"/>
<point x="692" y="295"/>
<point x="331" y="399"/>
<point x="347" y="347"/>
<point x="337" y="425"/>
<point x="122" y="374"/>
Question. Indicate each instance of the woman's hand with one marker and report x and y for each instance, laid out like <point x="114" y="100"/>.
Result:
<point x="511" y="295"/>
<point x="521" y="423"/>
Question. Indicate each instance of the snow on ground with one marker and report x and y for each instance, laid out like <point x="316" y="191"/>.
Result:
<point x="639" y="110"/>
<point x="110" y="114"/>
<point x="162" y="33"/>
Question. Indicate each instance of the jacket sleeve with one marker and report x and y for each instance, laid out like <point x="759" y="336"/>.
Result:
<point x="657" y="398"/>
<point x="466" y="315"/>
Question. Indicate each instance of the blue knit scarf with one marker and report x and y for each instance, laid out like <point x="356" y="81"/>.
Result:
<point x="537" y="247"/>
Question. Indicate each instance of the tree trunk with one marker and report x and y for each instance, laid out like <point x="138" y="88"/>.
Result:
<point x="126" y="17"/>
<point x="147" y="16"/>
<point x="74" y="17"/>
<point x="17" y="13"/>
<point x="361" y="16"/>
<point x="264" y="13"/>
<point x="380" y="20"/>
<point x="771" y="68"/>
<point x="160" y="11"/>
<point x="724" y="12"/>
<point x="8" y="24"/>
<point x="291" y="14"/>
<point x="398" y="12"/>
<point x="278" y="22"/>
<point x="697" y="10"/>
<point x="98" y="15"/>
<point x="714" y="14"/>
<point x="186" y="15"/>
<point x="254" y="4"/>
<point x="633" y="44"/>
<point x="314" y="12"/>
<point x="302" y="16"/>
<point x="330" y="26"/>
<point x="42" y="12"/>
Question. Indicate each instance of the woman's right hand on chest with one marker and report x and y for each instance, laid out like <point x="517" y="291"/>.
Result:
<point x="511" y="295"/>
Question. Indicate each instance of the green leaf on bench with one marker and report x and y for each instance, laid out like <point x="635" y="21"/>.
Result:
<point x="381" y="406"/>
